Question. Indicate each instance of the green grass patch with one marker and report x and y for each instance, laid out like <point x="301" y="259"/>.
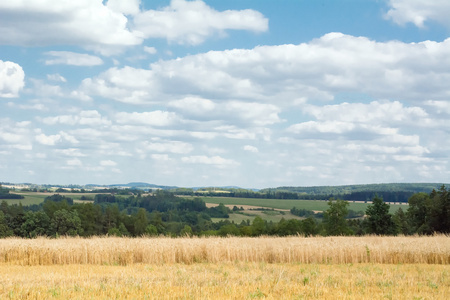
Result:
<point x="37" y="198"/>
<point x="30" y="198"/>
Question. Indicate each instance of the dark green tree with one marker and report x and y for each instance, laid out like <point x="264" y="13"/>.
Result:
<point x="35" y="224"/>
<point x="229" y="229"/>
<point x="5" y="231"/>
<point x="334" y="218"/>
<point x="153" y="231"/>
<point x="258" y="226"/>
<point x="379" y="220"/>
<point x="418" y="213"/>
<point x="401" y="221"/>
<point x="66" y="223"/>
<point x="141" y="222"/>
<point x="439" y="212"/>
<point x="309" y="226"/>
<point x="186" y="231"/>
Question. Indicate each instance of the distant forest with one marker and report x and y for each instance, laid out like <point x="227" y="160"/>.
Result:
<point x="392" y="192"/>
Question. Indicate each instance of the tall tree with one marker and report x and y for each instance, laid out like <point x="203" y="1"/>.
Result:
<point x="418" y="213"/>
<point x="334" y="218"/>
<point x="5" y="231"/>
<point x="141" y="222"/>
<point x="379" y="220"/>
<point x="440" y="210"/>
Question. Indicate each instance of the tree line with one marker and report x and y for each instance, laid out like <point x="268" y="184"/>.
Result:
<point x="163" y="213"/>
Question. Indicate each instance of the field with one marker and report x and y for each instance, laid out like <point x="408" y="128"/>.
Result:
<point x="318" y="205"/>
<point x="36" y="197"/>
<point x="226" y="268"/>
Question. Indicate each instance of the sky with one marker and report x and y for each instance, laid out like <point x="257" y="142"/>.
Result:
<point x="245" y="93"/>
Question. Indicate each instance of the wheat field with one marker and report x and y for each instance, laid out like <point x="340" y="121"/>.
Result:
<point x="368" y="267"/>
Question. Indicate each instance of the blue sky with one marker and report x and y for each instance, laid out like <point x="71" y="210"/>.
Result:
<point x="207" y="93"/>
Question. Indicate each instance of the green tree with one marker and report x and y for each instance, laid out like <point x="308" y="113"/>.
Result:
<point x="141" y="222"/>
<point x="379" y="220"/>
<point x="152" y="230"/>
<point x="401" y="221"/>
<point x="439" y="212"/>
<point x="35" y="224"/>
<point x="5" y="231"/>
<point x="258" y="226"/>
<point x="418" y="213"/>
<point x="66" y="223"/>
<point x="309" y="226"/>
<point x="334" y="218"/>
<point x="186" y="231"/>
<point x="229" y="229"/>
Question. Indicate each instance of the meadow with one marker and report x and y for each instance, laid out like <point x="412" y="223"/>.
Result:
<point x="370" y="267"/>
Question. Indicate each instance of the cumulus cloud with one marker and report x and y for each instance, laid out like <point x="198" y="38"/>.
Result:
<point x="128" y="85"/>
<point x="49" y="140"/>
<point x="72" y="58"/>
<point x="419" y="11"/>
<point x="191" y="22"/>
<point x="56" y="77"/>
<point x="87" y="23"/>
<point x="153" y="118"/>
<point x="358" y="120"/>
<point x="318" y="70"/>
<point x="88" y="118"/>
<point x="127" y="7"/>
<point x="252" y="149"/>
<point x="217" y="161"/>
<point x="15" y="135"/>
<point x="236" y="112"/>
<point x="167" y="146"/>
<point x="11" y="79"/>
<point x="104" y="26"/>
<point x="150" y="50"/>
<point x="108" y="163"/>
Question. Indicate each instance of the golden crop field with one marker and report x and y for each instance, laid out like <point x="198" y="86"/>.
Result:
<point x="226" y="268"/>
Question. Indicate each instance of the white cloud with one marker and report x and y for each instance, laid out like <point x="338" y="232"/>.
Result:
<point x="157" y="145"/>
<point x="72" y="152"/>
<point x="191" y="22"/>
<point x="150" y="50"/>
<point x="56" y="77"/>
<point x="160" y="157"/>
<point x="257" y="114"/>
<point x="252" y="149"/>
<point x="49" y="140"/>
<point x="33" y="106"/>
<point x="128" y="85"/>
<point x="87" y="118"/>
<point x="74" y="162"/>
<point x="209" y="160"/>
<point x="419" y="11"/>
<point x="358" y="120"/>
<point x="104" y="26"/>
<point x="153" y="118"/>
<point x="108" y="163"/>
<point x="11" y="79"/>
<point x="318" y="70"/>
<point x="127" y="7"/>
<point x="15" y="135"/>
<point x="72" y="58"/>
<point x="441" y="107"/>
<point x="86" y="23"/>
